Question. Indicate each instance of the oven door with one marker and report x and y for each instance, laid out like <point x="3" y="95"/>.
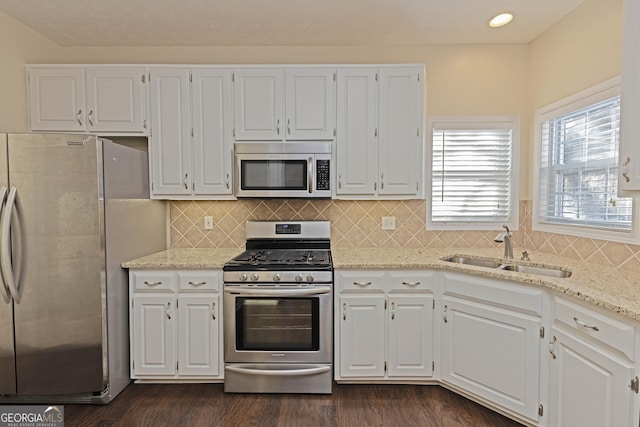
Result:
<point x="278" y="325"/>
<point x="274" y="175"/>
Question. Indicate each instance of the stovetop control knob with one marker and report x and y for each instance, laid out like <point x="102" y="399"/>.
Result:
<point x="298" y="278"/>
<point x="243" y="277"/>
<point x="277" y="277"/>
<point x="309" y="278"/>
<point x="255" y="277"/>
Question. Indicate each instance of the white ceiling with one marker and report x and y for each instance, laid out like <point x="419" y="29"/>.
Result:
<point x="283" y="22"/>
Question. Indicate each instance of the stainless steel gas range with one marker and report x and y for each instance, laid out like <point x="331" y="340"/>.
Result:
<point x="278" y="304"/>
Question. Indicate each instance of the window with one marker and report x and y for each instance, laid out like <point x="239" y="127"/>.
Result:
<point x="577" y="167"/>
<point x="473" y="183"/>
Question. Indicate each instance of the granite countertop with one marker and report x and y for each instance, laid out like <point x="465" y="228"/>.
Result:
<point x="604" y="287"/>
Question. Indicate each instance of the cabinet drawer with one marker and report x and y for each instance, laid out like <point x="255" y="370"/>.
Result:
<point x="361" y="281"/>
<point x="607" y="330"/>
<point x="198" y="280"/>
<point x="153" y="280"/>
<point x="410" y="281"/>
<point x="495" y="292"/>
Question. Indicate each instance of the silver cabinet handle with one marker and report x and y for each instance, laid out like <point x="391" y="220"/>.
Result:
<point x="90" y="118"/>
<point x="413" y="285"/>
<point x="625" y="172"/>
<point x="362" y="284"/>
<point x="78" y="115"/>
<point x="213" y="310"/>
<point x="148" y="283"/>
<point x="288" y="126"/>
<point x="168" y="308"/>
<point x="585" y="325"/>
<point x="197" y="284"/>
<point x="551" y="349"/>
<point x="444" y="314"/>
<point x="393" y="310"/>
<point x="144" y="124"/>
<point x="227" y="181"/>
<point x="382" y="181"/>
<point x="310" y="174"/>
<point x="278" y="126"/>
<point x="344" y="311"/>
<point x="339" y="181"/>
<point x="186" y="185"/>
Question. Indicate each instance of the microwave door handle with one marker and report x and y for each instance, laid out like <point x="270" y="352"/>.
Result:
<point x="310" y="174"/>
<point x="4" y="287"/>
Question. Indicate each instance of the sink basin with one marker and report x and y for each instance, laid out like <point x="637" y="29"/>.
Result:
<point x="479" y="262"/>
<point x="540" y="271"/>
<point x="556" y="272"/>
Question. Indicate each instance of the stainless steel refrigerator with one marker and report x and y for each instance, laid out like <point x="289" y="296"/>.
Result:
<point x="73" y="208"/>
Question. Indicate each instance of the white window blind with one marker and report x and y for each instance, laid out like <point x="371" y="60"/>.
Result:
<point x="579" y="168"/>
<point x="472" y="185"/>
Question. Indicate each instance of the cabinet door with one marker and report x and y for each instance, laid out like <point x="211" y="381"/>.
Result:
<point x="56" y="99"/>
<point x="410" y="340"/>
<point x="362" y="336"/>
<point x="310" y="103"/>
<point x="258" y="106"/>
<point x="493" y="353"/>
<point x="357" y="132"/>
<point x="589" y="387"/>
<point x="400" y="138"/>
<point x="153" y="341"/>
<point x="199" y="338"/>
<point x="630" y="99"/>
<point x="170" y="143"/>
<point x="115" y="100"/>
<point x="212" y="130"/>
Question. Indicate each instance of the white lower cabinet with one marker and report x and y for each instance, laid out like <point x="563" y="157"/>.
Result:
<point x="175" y="326"/>
<point x="384" y="325"/>
<point x="491" y="341"/>
<point x="592" y="383"/>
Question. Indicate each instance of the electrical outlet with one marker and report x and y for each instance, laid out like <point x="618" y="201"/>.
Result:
<point x="208" y="223"/>
<point x="388" y="222"/>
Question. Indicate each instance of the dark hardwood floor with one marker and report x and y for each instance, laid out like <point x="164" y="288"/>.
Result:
<point x="350" y="405"/>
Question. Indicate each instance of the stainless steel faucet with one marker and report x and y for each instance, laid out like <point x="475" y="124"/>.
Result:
<point x="506" y="237"/>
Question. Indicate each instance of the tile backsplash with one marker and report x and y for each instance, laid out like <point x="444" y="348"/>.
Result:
<point x="358" y="224"/>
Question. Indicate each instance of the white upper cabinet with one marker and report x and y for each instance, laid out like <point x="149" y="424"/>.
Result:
<point x="629" y="170"/>
<point x="275" y="104"/>
<point x="170" y="144"/>
<point x="379" y="132"/>
<point x="76" y="99"/>
<point x="310" y="103"/>
<point x="357" y="134"/>
<point x="258" y="108"/>
<point x="400" y="140"/>
<point x="191" y="139"/>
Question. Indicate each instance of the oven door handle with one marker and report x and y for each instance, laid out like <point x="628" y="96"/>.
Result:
<point x="279" y="292"/>
<point x="278" y="372"/>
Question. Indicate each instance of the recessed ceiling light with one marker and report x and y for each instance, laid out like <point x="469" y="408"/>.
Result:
<point x="501" y="20"/>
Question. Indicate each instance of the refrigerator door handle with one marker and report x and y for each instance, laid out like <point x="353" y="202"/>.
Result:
<point x="4" y="288"/>
<point x="5" y="250"/>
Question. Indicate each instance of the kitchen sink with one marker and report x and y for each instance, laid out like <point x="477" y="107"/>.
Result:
<point x="548" y="271"/>
<point x="540" y="271"/>
<point x="478" y="262"/>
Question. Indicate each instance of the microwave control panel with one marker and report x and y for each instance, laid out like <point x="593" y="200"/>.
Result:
<point x="322" y="175"/>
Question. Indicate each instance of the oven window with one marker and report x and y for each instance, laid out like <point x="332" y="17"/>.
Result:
<point x="273" y="174"/>
<point x="277" y="324"/>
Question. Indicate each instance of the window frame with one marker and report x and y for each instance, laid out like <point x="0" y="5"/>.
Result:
<point x="471" y="123"/>
<point x="583" y="99"/>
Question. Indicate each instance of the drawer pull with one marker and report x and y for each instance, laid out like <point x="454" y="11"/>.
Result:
<point x="413" y="285"/>
<point x="213" y="310"/>
<point x="362" y="284"/>
<point x="585" y="325"/>
<point x="198" y="284"/>
<point x="148" y="283"/>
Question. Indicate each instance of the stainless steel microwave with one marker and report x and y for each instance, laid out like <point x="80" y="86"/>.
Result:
<point x="282" y="169"/>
